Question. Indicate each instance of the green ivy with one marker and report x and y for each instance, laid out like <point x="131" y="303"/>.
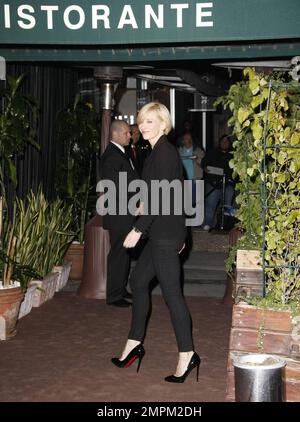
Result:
<point x="252" y="123"/>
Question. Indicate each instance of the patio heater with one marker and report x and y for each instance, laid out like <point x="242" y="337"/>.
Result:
<point x="202" y="104"/>
<point x="96" y="239"/>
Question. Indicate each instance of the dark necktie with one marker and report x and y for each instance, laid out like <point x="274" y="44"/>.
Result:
<point x="134" y="153"/>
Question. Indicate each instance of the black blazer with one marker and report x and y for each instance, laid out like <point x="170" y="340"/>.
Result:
<point x="112" y="162"/>
<point x="163" y="164"/>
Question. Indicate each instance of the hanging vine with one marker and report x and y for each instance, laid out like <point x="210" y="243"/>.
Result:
<point x="268" y="176"/>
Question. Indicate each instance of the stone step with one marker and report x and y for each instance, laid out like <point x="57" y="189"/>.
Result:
<point x="205" y="260"/>
<point x="190" y="288"/>
<point x="199" y="289"/>
<point x="215" y="241"/>
<point x="204" y="274"/>
<point x="208" y="277"/>
<point x="203" y="266"/>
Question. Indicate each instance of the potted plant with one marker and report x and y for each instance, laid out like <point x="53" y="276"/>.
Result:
<point x="16" y="132"/>
<point x="17" y="121"/>
<point x="78" y="133"/>
<point x="14" y="277"/>
<point x="45" y="227"/>
<point x="266" y="162"/>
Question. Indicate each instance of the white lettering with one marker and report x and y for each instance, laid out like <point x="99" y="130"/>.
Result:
<point x="134" y="201"/>
<point x="200" y="14"/>
<point x="127" y="18"/>
<point x="29" y="18"/>
<point x="158" y="19"/>
<point x="49" y="10"/>
<point x="7" y="16"/>
<point x="179" y="8"/>
<point x="81" y="14"/>
<point x="130" y="17"/>
<point x="106" y="203"/>
<point x="100" y="17"/>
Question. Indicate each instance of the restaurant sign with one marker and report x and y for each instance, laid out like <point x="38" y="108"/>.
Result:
<point x="81" y="22"/>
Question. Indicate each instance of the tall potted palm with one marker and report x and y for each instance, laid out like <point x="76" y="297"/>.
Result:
<point x="266" y="161"/>
<point x="16" y="132"/>
<point x="78" y="133"/>
<point x="17" y="122"/>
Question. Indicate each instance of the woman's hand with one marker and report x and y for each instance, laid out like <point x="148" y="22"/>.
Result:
<point x="131" y="239"/>
<point x="181" y="248"/>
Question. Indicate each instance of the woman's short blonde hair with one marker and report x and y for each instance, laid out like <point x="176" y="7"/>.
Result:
<point x="162" y="113"/>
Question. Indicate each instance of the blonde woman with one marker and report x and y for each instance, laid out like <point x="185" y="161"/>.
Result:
<point x="160" y="257"/>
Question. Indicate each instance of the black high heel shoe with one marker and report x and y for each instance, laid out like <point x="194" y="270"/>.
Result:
<point x="194" y="363"/>
<point x="137" y="353"/>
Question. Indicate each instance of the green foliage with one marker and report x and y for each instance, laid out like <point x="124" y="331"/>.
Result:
<point x="16" y="130"/>
<point x="78" y="132"/>
<point x="12" y="269"/>
<point x="43" y="231"/>
<point x="37" y="239"/>
<point x="268" y="178"/>
<point x="20" y="273"/>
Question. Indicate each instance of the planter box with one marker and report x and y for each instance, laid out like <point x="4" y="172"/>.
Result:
<point x="64" y="271"/>
<point x="256" y="330"/>
<point x="249" y="274"/>
<point x="27" y="303"/>
<point x="45" y="289"/>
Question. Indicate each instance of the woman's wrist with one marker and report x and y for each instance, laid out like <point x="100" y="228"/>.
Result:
<point x="136" y="230"/>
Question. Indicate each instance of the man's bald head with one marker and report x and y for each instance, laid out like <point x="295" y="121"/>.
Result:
<point x="120" y="132"/>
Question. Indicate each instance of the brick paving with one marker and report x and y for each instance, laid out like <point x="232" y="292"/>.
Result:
<point x="62" y="353"/>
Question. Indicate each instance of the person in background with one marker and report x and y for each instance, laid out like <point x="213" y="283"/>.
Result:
<point x="191" y="157"/>
<point x="139" y="149"/>
<point x="217" y="159"/>
<point x="188" y="127"/>
<point x="113" y="161"/>
<point x="160" y="256"/>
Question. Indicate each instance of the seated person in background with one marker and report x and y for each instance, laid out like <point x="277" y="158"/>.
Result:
<point x="217" y="159"/>
<point x="139" y="149"/>
<point x="191" y="157"/>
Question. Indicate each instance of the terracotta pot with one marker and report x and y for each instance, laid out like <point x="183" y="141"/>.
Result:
<point x="10" y="302"/>
<point x="75" y="256"/>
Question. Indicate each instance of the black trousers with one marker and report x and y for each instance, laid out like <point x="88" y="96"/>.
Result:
<point x="118" y="261"/>
<point x="160" y="258"/>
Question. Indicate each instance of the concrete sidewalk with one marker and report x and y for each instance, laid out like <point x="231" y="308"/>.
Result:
<point x="63" y="349"/>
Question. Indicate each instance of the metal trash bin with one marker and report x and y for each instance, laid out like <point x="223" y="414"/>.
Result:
<point x="258" y="378"/>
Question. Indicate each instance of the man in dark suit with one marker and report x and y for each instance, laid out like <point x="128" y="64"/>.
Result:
<point x="113" y="161"/>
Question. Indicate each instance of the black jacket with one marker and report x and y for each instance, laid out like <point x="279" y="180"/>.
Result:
<point x="112" y="162"/>
<point x="163" y="164"/>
